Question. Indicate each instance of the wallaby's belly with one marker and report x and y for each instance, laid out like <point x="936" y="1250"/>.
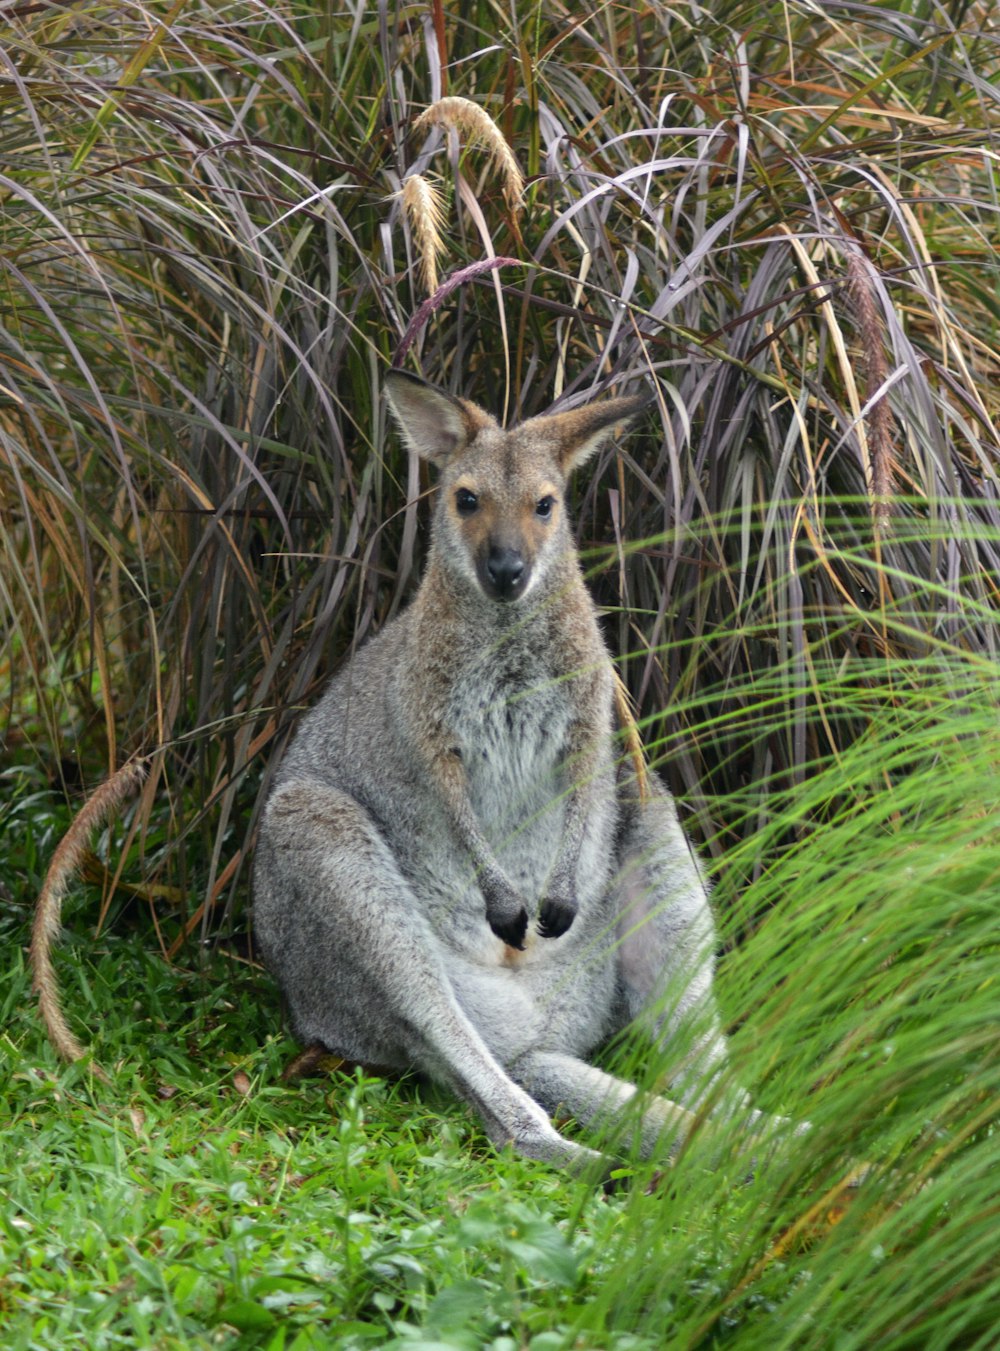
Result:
<point x="525" y="833"/>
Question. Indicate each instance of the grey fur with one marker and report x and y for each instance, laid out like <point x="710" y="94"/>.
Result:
<point x="459" y="792"/>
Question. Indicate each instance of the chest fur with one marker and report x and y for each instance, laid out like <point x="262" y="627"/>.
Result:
<point x="510" y="717"/>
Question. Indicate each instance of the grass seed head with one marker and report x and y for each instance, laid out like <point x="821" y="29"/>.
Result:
<point x="479" y="129"/>
<point x="423" y="207"/>
<point x="880" y="419"/>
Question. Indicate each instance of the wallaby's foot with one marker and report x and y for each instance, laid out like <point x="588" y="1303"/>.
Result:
<point x="548" y="1146"/>
<point x="315" y="1059"/>
<point x="555" y="917"/>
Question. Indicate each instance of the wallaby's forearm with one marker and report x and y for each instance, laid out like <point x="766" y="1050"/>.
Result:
<point x="587" y="770"/>
<point x="506" y="912"/>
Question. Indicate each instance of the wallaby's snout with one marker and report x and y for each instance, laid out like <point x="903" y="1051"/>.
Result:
<point x="499" y="519"/>
<point x="502" y="532"/>
<point x="505" y="574"/>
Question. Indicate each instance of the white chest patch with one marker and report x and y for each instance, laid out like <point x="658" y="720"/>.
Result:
<point x="511" y="725"/>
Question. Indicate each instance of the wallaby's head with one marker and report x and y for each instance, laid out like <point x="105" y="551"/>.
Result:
<point x="500" y="518"/>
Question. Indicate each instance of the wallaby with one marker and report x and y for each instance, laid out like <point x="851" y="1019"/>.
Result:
<point x="458" y="868"/>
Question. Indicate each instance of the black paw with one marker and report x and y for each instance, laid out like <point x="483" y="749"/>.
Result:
<point x="555" y="917"/>
<point x="512" y="931"/>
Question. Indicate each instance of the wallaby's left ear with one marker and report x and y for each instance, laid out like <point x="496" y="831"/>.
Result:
<point x="581" y="431"/>
<point x="434" y="423"/>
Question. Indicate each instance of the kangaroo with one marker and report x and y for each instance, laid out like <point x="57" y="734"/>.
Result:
<point x="458" y="870"/>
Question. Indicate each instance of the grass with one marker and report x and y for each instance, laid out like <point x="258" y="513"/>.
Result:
<point x="782" y="219"/>
<point x="200" y="1201"/>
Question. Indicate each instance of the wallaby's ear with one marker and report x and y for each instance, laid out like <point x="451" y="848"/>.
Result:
<point x="581" y="431"/>
<point x="434" y="424"/>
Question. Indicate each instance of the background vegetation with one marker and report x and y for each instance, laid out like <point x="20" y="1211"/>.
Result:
<point x="782" y="218"/>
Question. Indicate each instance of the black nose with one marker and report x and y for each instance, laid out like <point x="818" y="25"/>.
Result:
<point x="505" y="572"/>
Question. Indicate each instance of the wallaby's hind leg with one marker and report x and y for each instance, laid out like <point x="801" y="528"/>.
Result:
<point x="666" y="954"/>
<point x="362" y="969"/>
<point x="601" y="1102"/>
<point x="665" y="936"/>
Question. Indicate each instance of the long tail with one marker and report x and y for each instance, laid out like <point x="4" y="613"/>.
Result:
<point x="99" y="807"/>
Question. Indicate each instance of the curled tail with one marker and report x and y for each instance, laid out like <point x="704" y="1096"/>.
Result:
<point x="99" y="807"/>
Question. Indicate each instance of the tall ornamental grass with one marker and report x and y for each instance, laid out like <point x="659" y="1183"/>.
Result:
<point x="221" y="223"/>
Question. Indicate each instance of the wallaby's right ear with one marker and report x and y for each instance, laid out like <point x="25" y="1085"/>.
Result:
<point x="434" y="424"/>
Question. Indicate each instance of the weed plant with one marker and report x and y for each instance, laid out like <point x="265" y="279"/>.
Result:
<point x="219" y="224"/>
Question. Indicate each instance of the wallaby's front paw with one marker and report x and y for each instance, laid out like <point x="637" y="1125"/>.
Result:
<point x="555" y="917"/>
<point x="512" y="931"/>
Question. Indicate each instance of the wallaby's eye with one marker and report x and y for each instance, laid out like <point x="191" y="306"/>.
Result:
<point x="543" y="507"/>
<point x="466" y="502"/>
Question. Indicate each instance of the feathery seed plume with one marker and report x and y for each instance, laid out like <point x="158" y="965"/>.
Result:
<point x="422" y="204"/>
<point x="631" y="737"/>
<point x="880" y="419"/>
<point x="479" y="129"/>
